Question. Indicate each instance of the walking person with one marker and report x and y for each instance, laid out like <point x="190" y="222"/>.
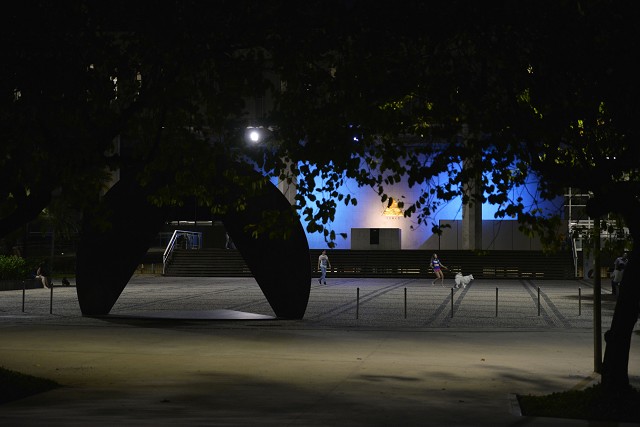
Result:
<point x="229" y="243"/>
<point x="323" y="264"/>
<point x="437" y="269"/>
<point x="618" y="270"/>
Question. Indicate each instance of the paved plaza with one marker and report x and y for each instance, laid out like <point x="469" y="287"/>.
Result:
<point x="209" y="351"/>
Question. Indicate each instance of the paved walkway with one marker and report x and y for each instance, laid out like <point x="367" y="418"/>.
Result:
<point x="369" y="352"/>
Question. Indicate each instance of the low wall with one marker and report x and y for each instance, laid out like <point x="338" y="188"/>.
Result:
<point x="13" y="285"/>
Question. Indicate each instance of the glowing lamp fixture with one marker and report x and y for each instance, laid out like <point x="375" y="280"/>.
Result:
<point x="257" y="135"/>
<point x="254" y="136"/>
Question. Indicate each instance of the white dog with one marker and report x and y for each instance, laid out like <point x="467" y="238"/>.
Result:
<point x="463" y="280"/>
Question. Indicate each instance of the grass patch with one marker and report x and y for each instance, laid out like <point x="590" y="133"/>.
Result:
<point x="592" y="403"/>
<point x="14" y="385"/>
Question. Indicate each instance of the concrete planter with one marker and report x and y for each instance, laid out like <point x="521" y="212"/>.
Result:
<point x="12" y="285"/>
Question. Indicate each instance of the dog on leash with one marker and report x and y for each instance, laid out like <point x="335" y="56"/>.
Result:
<point x="463" y="280"/>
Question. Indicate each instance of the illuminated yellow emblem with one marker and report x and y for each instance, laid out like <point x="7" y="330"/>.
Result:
<point x="393" y="209"/>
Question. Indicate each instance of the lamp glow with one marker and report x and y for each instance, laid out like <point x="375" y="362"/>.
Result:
<point x="254" y="136"/>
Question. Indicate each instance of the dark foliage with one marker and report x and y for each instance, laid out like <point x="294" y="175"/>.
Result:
<point x="14" y="385"/>
<point x="593" y="403"/>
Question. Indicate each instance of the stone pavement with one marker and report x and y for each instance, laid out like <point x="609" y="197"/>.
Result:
<point x="369" y="352"/>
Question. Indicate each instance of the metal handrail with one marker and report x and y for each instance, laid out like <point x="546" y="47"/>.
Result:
<point x="192" y="240"/>
<point x="574" y="251"/>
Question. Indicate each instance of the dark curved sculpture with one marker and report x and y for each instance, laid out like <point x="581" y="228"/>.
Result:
<point x="115" y="236"/>
<point x="119" y="232"/>
<point x="279" y="264"/>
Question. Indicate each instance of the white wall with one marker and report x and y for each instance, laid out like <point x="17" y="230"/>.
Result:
<point x="369" y="213"/>
<point x="387" y="238"/>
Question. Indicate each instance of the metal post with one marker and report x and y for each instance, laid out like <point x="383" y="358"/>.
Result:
<point x="24" y="287"/>
<point x="451" y="302"/>
<point x="579" y="301"/>
<point x="538" y="300"/>
<point x="51" y="298"/>
<point x="357" y="302"/>
<point x="496" y="301"/>
<point x="405" y="303"/>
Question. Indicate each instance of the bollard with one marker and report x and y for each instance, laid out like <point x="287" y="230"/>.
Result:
<point x="357" y="302"/>
<point x="451" y="302"/>
<point x="496" y="302"/>
<point x="538" y="300"/>
<point x="579" y="301"/>
<point x="24" y="287"/>
<point x="51" y="299"/>
<point x="405" y="303"/>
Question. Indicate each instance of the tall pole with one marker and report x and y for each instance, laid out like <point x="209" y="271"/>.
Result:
<point x="597" y="321"/>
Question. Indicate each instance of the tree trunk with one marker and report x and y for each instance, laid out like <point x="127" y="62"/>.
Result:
<point x="615" y="368"/>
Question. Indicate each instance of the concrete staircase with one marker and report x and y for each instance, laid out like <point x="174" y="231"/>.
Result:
<point x="207" y="263"/>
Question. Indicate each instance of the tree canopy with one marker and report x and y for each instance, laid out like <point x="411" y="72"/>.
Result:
<point x="422" y="86"/>
<point x="523" y="89"/>
<point x="167" y="80"/>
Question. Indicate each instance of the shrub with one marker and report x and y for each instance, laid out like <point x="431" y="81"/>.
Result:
<point x="14" y="385"/>
<point x="13" y="268"/>
<point x="593" y="403"/>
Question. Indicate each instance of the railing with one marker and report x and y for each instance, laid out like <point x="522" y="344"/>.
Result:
<point x="210" y="262"/>
<point x="183" y="240"/>
<point x="574" y="253"/>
